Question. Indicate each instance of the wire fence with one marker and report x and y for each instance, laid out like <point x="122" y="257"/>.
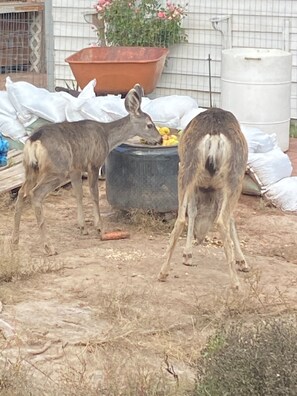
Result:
<point x="36" y="37"/>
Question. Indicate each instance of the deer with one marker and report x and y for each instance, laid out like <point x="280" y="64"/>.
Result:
<point x="55" y="153"/>
<point x="213" y="156"/>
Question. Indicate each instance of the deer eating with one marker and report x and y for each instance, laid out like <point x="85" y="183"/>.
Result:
<point x="58" y="152"/>
<point x="213" y="156"/>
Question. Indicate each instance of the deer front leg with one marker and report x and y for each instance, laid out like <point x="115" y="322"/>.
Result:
<point x="177" y="230"/>
<point x="76" y="182"/>
<point x="93" y="186"/>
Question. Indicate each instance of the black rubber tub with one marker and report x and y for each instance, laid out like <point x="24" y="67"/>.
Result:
<point x="142" y="177"/>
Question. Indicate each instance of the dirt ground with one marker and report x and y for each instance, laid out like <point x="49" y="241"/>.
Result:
<point x="94" y="317"/>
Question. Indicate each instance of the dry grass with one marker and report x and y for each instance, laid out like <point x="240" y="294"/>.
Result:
<point x="6" y="202"/>
<point x="145" y="350"/>
<point x="121" y="375"/>
<point x="254" y="301"/>
<point x="144" y="347"/>
<point x="14" y="379"/>
<point x="19" y="264"/>
<point x="149" y="221"/>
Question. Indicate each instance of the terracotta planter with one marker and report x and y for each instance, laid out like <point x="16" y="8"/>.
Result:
<point x="118" y="69"/>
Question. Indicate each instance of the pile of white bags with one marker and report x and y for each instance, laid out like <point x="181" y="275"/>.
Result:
<point x="272" y="168"/>
<point x="23" y="104"/>
<point x="9" y="123"/>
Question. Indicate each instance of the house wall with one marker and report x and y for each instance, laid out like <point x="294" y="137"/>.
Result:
<point x="258" y="24"/>
<point x="71" y="33"/>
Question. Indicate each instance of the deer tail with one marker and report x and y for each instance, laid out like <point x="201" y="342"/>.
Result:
<point x="32" y="160"/>
<point x="214" y="151"/>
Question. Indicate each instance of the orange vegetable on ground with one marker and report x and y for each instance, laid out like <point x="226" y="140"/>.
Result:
<point x="114" y="235"/>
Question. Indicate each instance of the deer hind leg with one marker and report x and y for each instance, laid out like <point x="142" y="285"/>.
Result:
<point x="177" y="230"/>
<point x="239" y="257"/>
<point x="30" y="182"/>
<point x="205" y="209"/>
<point x="76" y="181"/>
<point x="39" y="192"/>
<point x="224" y="226"/>
<point x="93" y="186"/>
<point x="192" y="213"/>
<point x="18" y="213"/>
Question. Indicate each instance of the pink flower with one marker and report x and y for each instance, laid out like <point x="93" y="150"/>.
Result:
<point x="176" y="14"/>
<point x="162" y="15"/>
<point x="102" y="4"/>
<point x="170" y="6"/>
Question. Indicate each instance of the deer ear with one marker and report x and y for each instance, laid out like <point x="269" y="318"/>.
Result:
<point x="133" y="99"/>
<point x="138" y="88"/>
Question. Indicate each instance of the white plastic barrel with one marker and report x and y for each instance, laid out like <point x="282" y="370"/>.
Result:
<point x="256" y="88"/>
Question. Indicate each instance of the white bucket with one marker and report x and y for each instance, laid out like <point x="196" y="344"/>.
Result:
<point x="256" y="88"/>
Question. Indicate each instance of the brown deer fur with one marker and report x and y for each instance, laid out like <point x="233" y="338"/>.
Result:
<point x="57" y="152"/>
<point x="213" y="156"/>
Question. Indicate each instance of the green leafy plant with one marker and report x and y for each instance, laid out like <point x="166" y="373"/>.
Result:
<point x="144" y="23"/>
<point x="259" y="359"/>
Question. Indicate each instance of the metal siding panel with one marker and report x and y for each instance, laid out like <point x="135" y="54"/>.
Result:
<point x="254" y="23"/>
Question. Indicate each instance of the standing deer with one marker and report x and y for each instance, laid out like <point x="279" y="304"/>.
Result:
<point x="213" y="156"/>
<point x="57" y="152"/>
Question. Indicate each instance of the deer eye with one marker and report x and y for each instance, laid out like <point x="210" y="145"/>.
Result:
<point x="150" y="126"/>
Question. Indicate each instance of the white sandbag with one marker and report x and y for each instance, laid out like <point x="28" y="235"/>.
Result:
<point x="270" y="167"/>
<point x="31" y="102"/>
<point x="168" y="110"/>
<point x="74" y="104"/>
<point x="24" y="116"/>
<point x="257" y="140"/>
<point x="72" y="109"/>
<point x="189" y="116"/>
<point x="9" y="124"/>
<point x="283" y="194"/>
<point x="6" y="107"/>
<point x="88" y="91"/>
<point x="104" y="108"/>
<point x="145" y="101"/>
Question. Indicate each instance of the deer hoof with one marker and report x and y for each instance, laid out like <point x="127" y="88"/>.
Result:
<point x="162" y="277"/>
<point x="236" y="287"/>
<point x="100" y="231"/>
<point x="14" y="240"/>
<point x="187" y="260"/>
<point x="242" y="266"/>
<point x="50" y="250"/>
<point x="84" y="231"/>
